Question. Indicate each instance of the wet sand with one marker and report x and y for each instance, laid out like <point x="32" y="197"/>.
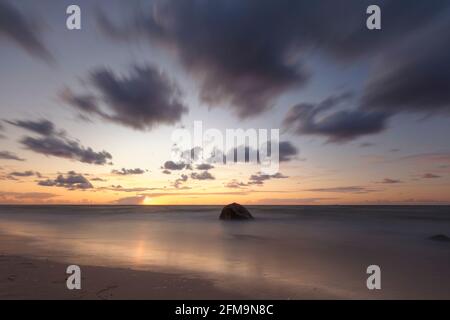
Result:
<point x="23" y="278"/>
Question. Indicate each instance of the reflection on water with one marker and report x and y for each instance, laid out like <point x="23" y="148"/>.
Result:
<point x="291" y="247"/>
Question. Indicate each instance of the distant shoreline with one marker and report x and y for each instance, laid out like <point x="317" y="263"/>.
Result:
<point x="221" y="205"/>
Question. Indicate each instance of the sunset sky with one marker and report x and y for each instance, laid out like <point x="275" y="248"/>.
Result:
<point x="87" y="115"/>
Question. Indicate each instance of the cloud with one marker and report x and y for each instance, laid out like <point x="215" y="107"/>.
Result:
<point x="235" y="184"/>
<point x="6" y="155"/>
<point x="430" y="176"/>
<point x="98" y="179"/>
<point x="204" y="166"/>
<point x="259" y="178"/>
<point x="27" y="173"/>
<point x="204" y="175"/>
<point x="178" y="182"/>
<point x="64" y="148"/>
<point x="349" y="189"/>
<point x="390" y="181"/>
<point x="231" y="50"/>
<point x="119" y="188"/>
<point x="338" y="126"/>
<point x="20" y="29"/>
<point x="287" y="151"/>
<point x="170" y="165"/>
<point x="125" y="172"/>
<point x="43" y="127"/>
<point x="55" y="143"/>
<point x="10" y="197"/>
<point x="165" y="171"/>
<point x="140" y="100"/>
<point x="72" y="181"/>
<point x="419" y="81"/>
<point x="245" y="54"/>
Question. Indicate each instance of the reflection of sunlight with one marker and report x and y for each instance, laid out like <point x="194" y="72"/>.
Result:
<point x="139" y="252"/>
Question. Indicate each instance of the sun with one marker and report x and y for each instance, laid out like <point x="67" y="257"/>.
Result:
<point x="147" y="201"/>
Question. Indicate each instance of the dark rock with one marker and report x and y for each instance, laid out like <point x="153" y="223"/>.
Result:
<point x="440" y="237"/>
<point x="235" y="211"/>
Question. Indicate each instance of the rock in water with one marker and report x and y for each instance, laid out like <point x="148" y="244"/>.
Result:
<point x="235" y="211"/>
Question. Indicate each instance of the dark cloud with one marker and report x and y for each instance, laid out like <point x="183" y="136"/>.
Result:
<point x="204" y="175"/>
<point x="6" y="155"/>
<point x="28" y="173"/>
<point x="125" y="172"/>
<point x="247" y="53"/>
<point x="259" y="179"/>
<point x="87" y="104"/>
<point x="430" y="176"/>
<point x="170" y="165"/>
<point x="72" y="181"/>
<point x="65" y="148"/>
<point x="414" y="77"/>
<point x="338" y="126"/>
<point x="55" y="143"/>
<point x="20" y="29"/>
<point x="349" y="189"/>
<point x="143" y="99"/>
<point x="390" y="181"/>
<point x="230" y="49"/>
<point x="43" y="127"/>
<point x="204" y="166"/>
<point x="287" y="151"/>
<point x="165" y="171"/>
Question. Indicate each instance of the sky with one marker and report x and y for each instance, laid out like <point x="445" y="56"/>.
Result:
<point x="86" y="116"/>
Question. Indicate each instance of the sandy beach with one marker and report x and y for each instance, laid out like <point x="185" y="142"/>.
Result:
<point x="23" y="278"/>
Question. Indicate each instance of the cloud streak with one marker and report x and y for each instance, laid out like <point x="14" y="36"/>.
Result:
<point x="337" y="126"/>
<point x="140" y="100"/>
<point x="54" y="142"/>
<point x="6" y="155"/>
<point x="72" y="181"/>
<point x="126" y="172"/>
<point x="17" y="27"/>
<point x="346" y="189"/>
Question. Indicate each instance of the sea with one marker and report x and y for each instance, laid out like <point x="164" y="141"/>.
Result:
<point x="286" y="252"/>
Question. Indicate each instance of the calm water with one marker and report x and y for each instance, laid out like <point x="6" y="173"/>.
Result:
<point x="285" y="250"/>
